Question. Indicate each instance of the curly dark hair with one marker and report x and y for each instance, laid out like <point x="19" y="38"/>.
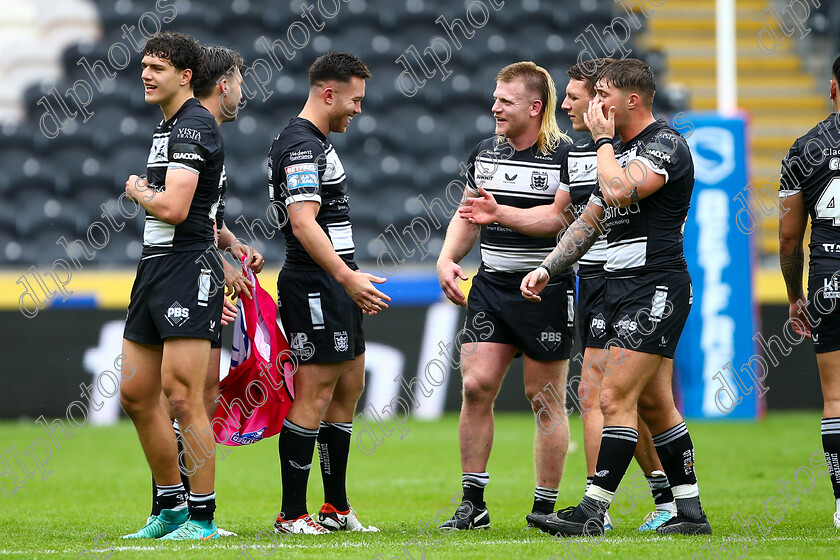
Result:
<point x="181" y="50"/>
<point x="337" y="66"/>
<point x="218" y="62"/>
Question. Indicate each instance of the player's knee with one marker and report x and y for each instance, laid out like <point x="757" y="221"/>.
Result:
<point x="648" y="406"/>
<point x="351" y="392"/>
<point x="532" y="392"/>
<point x="211" y="400"/>
<point x="134" y="404"/>
<point x="831" y="407"/>
<point x="651" y="416"/>
<point x="611" y="402"/>
<point x="588" y="393"/>
<point x="319" y="402"/>
<point x="179" y="403"/>
<point x="131" y="406"/>
<point x="476" y="391"/>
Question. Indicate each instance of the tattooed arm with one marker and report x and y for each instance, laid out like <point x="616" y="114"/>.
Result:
<point x="576" y="241"/>
<point x="793" y="218"/>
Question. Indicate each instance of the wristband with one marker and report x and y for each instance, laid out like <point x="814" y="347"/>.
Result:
<point x="601" y="141"/>
<point x="546" y="270"/>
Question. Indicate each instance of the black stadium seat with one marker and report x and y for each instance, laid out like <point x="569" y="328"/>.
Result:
<point x="401" y="146"/>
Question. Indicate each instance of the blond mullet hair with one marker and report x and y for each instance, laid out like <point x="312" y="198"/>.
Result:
<point x="538" y="80"/>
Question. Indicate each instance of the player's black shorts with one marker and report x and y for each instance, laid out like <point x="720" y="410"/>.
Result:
<point x="218" y="342"/>
<point x="176" y="295"/>
<point x="824" y="311"/>
<point x="321" y="322"/>
<point x="647" y="313"/>
<point x="542" y="331"/>
<point x="592" y="322"/>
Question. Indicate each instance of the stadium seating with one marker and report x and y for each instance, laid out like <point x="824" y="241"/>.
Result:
<point x="399" y="148"/>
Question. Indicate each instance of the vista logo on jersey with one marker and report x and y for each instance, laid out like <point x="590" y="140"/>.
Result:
<point x="189" y="133"/>
<point x="177" y="314"/>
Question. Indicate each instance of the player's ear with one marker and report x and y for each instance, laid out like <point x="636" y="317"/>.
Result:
<point x="832" y="89"/>
<point x="186" y="76"/>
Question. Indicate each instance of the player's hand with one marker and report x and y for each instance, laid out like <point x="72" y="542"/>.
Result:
<point x="360" y="287"/>
<point x="479" y="210"/>
<point x="601" y="124"/>
<point x="253" y="259"/>
<point x="533" y="283"/>
<point x="235" y="282"/>
<point x="229" y="312"/>
<point x="135" y="186"/>
<point x="796" y="311"/>
<point x="448" y="273"/>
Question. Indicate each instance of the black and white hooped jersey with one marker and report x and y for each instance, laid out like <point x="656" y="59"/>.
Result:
<point x="812" y="167"/>
<point x="522" y="179"/>
<point x="303" y="166"/>
<point x="189" y="140"/>
<point x="579" y="177"/>
<point x="648" y="235"/>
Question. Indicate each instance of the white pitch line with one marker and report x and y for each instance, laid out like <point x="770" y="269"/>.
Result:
<point x="218" y="545"/>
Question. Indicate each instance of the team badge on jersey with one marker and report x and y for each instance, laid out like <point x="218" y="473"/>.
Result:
<point x="159" y="150"/>
<point x="539" y="180"/>
<point x="341" y="341"/>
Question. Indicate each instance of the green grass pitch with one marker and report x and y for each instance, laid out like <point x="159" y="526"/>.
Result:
<point x="99" y="489"/>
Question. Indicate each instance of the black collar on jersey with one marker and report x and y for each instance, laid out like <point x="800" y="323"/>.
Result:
<point x="300" y="121"/>
<point x="189" y="102"/>
<point x="657" y="124"/>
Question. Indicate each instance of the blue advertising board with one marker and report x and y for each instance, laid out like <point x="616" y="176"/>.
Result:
<point x="714" y="360"/>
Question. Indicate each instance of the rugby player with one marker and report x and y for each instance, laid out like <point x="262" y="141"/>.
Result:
<point x="647" y="296"/>
<point x="578" y="181"/>
<point x="174" y="314"/>
<point x="810" y="185"/>
<point x="520" y="164"/>
<point x="321" y="295"/>
<point x="218" y="89"/>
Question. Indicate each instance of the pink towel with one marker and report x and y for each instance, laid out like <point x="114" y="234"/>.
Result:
<point x="258" y="391"/>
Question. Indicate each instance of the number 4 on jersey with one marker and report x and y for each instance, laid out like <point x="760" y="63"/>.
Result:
<point x="827" y="205"/>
